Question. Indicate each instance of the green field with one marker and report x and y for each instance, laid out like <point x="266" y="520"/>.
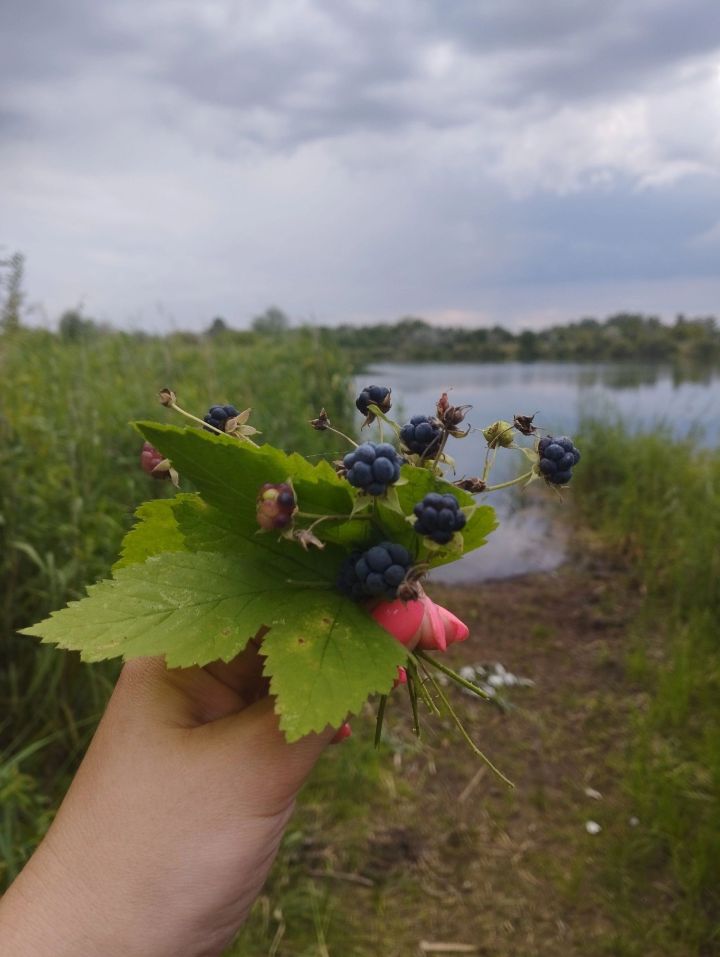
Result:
<point x="648" y="510"/>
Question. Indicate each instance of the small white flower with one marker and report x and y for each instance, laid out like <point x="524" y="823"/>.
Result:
<point x="592" y="827"/>
<point x="592" y="793"/>
<point x="634" y="821"/>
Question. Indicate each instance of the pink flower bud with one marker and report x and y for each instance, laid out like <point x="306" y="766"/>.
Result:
<point x="420" y="623"/>
<point x="401" y="678"/>
<point x="344" y="731"/>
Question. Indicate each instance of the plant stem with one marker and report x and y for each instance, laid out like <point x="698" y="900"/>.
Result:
<point x="426" y="696"/>
<point x="515" y="481"/>
<point x="490" y="456"/>
<point x="329" y="428"/>
<point x="411" y="672"/>
<point x="380" y="718"/>
<point x="458" y="679"/>
<point x="461" y="728"/>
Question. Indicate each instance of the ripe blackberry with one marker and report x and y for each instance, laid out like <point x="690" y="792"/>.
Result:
<point x="378" y="395"/>
<point x="375" y="573"/>
<point x="275" y="506"/>
<point x="421" y="435"/>
<point x="372" y="467"/>
<point x="150" y="458"/>
<point x="218" y="416"/>
<point x="558" y="457"/>
<point x="439" y="517"/>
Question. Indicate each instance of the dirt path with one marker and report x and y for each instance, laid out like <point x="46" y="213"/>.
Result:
<point x="453" y="855"/>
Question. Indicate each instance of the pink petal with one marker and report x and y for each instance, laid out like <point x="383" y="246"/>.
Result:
<point x="401" y="619"/>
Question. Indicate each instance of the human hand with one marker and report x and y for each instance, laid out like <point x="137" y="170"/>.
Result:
<point x="171" y="824"/>
<point x="175" y="816"/>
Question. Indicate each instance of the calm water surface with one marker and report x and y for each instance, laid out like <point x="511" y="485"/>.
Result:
<point x="643" y="394"/>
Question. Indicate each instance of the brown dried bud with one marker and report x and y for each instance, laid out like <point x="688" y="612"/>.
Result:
<point x="340" y="467"/>
<point x="322" y="422"/>
<point x="451" y="416"/>
<point x="306" y="538"/>
<point x="472" y="485"/>
<point x="524" y="424"/>
<point x="167" y="397"/>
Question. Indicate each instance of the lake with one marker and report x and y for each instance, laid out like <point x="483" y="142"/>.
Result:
<point x="643" y="394"/>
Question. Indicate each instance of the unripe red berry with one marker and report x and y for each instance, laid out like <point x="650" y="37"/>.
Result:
<point x="150" y="458"/>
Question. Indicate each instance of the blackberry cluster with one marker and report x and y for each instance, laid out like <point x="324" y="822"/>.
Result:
<point x="275" y="506"/>
<point x="378" y="395"/>
<point x="421" y="435"/>
<point x="218" y="416"/>
<point x="558" y="456"/>
<point x="376" y="573"/>
<point x="372" y="467"/>
<point x="439" y="517"/>
<point x="150" y="458"/>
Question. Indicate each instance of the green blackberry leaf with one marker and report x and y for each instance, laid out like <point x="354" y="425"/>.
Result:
<point x="155" y="532"/>
<point x="325" y="655"/>
<point x="327" y="662"/>
<point x="229" y="473"/>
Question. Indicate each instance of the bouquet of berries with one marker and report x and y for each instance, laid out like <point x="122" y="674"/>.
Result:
<point x="322" y="564"/>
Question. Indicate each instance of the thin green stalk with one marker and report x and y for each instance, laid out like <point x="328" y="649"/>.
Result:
<point x="461" y="728"/>
<point x="380" y="718"/>
<point x="515" y="481"/>
<point x="458" y="679"/>
<point x="412" y="693"/>
<point x="206" y="425"/>
<point x="329" y="428"/>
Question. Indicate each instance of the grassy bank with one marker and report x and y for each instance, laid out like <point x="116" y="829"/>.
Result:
<point x="657" y="502"/>
<point x="69" y="483"/>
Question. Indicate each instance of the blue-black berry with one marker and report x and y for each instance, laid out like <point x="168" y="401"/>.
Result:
<point x="375" y="573"/>
<point x="558" y="457"/>
<point x="378" y="395"/>
<point x="439" y="517"/>
<point x="421" y="435"/>
<point x="218" y="416"/>
<point x="372" y="467"/>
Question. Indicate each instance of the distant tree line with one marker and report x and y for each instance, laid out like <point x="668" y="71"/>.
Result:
<point x="625" y="335"/>
<point x="622" y="336"/>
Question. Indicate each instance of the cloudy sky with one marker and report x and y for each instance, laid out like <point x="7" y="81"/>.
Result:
<point x="166" y="161"/>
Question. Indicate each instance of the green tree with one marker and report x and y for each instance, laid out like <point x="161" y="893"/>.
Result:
<point x="74" y="326"/>
<point x="271" y="322"/>
<point x="217" y="327"/>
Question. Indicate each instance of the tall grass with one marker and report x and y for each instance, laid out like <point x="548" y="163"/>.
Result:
<point x="69" y="483"/>
<point x="658" y="500"/>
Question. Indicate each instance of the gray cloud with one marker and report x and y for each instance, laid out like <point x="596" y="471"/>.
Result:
<point x="357" y="158"/>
